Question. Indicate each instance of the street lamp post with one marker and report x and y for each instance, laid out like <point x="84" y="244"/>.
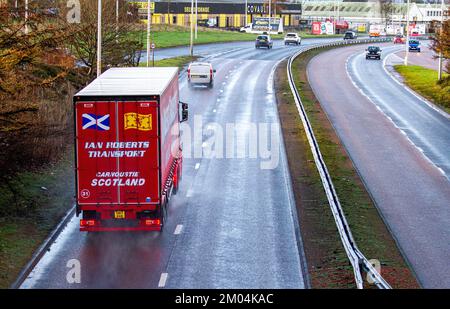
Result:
<point x="117" y="21"/>
<point x="407" y="35"/>
<point x="246" y="9"/>
<point x="196" y="18"/>
<point x="26" y="16"/>
<point x="149" y="23"/>
<point x="440" y="51"/>
<point x="99" y="38"/>
<point x="191" y="47"/>
<point x="270" y="15"/>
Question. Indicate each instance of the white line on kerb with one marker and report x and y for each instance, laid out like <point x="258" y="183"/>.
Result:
<point x="162" y="280"/>
<point x="197" y="166"/>
<point x="178" y="229"/>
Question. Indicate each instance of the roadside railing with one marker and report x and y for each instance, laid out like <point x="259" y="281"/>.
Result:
<point x="357" y="259"/>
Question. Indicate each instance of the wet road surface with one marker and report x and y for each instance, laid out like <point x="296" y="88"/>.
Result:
<point x="232" y="224"/>
<point x="401" y="148"/>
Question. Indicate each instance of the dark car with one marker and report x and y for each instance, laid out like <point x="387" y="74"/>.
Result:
<point x="263" y="41"/>
<point x="373" y="52"/>
<point x="350" y="35"/>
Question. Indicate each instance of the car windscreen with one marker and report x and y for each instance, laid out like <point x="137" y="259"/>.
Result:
<point x="291" y="35"/>
<point x="262" y="37"/>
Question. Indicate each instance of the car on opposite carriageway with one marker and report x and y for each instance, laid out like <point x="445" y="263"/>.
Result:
<point x="373" y="52"/>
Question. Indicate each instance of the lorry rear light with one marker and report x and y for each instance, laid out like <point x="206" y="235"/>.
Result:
<point x="152" y="222"/>
<point x="87" y="222"/>
<point x="189" y="73"/>
<point x="211" y="72"/>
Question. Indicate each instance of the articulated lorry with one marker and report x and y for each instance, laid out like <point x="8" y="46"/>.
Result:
<point x="127" y="149"/>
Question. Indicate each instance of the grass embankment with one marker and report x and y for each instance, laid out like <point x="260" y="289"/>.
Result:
<point x="424" y="81"/>
<point x="327" y="261"/>
<point x="43" y="197"/>
<point x="171" y="36"/>
<point x="179" y="62"/>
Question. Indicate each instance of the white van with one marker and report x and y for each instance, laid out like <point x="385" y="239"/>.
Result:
<point x="201" y="73"/>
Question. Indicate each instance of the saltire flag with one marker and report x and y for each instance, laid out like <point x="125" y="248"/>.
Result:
<point x="96" y="122"/>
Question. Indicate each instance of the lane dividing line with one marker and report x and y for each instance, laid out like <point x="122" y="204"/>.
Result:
<point x="178" y="229"/>
<point x="163" y="280"/>
<point x="197" y="166"/>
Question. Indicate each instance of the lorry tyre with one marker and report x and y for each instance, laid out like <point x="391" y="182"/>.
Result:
<point x="176" y="183"/>
<point x="163" y="215"/>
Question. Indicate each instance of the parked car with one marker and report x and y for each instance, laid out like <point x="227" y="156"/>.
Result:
<point x="350" y="35"/>
<point x="373" y="52"/>
<point x="292" y="38"/>
<point x="399" y="39"/>
<point x="264" y="41"/>
<point x="247" y="28"/>
<point x="201" y="73"/>
<point x="414" y="45"/>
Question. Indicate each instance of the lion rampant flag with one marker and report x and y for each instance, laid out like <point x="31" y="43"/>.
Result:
<point x="138" y="121"/>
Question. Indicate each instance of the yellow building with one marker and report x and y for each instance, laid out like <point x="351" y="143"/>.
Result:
<point x="222" y="15"/>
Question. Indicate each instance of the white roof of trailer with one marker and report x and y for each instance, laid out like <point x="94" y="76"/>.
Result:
<point x="130" y="82"/>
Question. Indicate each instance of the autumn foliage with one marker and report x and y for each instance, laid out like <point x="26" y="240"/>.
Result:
<point x="41" y="69"/>
<point x="441" y="43"/>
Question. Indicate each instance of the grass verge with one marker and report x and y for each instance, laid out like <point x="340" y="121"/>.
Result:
<point x="328" y="265"/>
<point x="424" y="81"/>
<point x="172" y="36"/>
<point x="179" y="62"/>
<point x="48" y="194"/>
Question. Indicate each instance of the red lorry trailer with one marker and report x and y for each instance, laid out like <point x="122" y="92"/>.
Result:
<point x="127" y="149"/>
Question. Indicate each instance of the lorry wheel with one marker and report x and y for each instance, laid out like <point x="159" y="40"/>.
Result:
<point x="163" y="216"/>
<point x="176" y="183"/>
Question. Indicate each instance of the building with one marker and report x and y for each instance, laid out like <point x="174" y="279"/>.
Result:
<point x="301" y="13"/>
<point x="226" y="14"/>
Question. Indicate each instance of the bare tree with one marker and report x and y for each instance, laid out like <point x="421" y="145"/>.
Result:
<point x="386" y="8"/>
<point x="441" y="43"/>
<point x="121" y="44"/>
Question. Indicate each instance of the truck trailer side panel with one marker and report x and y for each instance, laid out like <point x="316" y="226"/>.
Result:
<point x="170" y="130"/>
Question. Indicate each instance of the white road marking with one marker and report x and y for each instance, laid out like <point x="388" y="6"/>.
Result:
<point x="178" y="229"/>
<point x="430" y="104"/>
<point x="204" y="144"/>
<point x="214" y="110"/>
<point x="197" y="166"/>
<point x="162" y="280"/>
<point x="189" y="193"/>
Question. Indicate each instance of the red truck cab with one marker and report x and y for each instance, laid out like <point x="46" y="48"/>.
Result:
<point x="127" y="149"/>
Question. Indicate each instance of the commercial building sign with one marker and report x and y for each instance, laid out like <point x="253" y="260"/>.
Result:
<point x="219" y="8"/>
